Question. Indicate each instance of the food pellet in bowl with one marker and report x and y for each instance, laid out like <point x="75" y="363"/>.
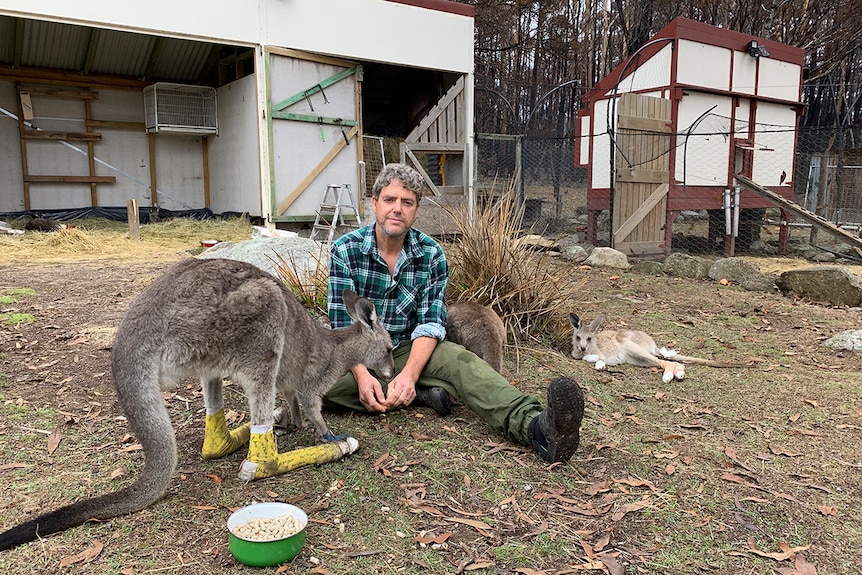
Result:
<point x="269" y="528"/>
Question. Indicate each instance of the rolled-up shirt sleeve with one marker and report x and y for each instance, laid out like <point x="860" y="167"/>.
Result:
<point x="431" y="309"/>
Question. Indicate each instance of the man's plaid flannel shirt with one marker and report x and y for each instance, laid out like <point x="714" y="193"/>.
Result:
<point x="410" y="303"/>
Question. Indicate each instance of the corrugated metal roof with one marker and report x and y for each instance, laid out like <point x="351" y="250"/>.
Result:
<point x="87" y="50"/>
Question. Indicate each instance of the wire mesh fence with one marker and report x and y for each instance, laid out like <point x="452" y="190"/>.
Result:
<point x="820" y="170"/>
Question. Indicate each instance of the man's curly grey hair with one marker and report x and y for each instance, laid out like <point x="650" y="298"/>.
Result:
<point x="409" y="178"/>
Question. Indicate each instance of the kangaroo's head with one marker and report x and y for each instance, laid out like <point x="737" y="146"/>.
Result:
<point x="378" y="358"/>
<point x="584" y="336"/>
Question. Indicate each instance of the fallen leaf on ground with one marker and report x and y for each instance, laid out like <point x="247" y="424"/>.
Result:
<point x="84" y="556"/>
<point x="429" y="539"/>
<point x="480" y="525"/>
<point x="54" y="440"/>
<point x="826" y="510"/>
<point x="785" y="553"/>
<point x="800" y="567"/>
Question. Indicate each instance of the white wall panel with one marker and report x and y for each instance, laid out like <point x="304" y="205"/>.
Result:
<point x="703" y="145"/>
<point x="778" y="80"/>
<point x="12" y="196"/>
<point x="234" y="175"/>
<point x="703" y="65"/>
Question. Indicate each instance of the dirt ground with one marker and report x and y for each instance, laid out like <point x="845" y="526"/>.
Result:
<point x="728" y="471"/>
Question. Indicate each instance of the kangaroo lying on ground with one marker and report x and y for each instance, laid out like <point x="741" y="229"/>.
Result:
<point x="217" y="318"/>
<point x="615" y="347"/>
<point x="479" y="329"/>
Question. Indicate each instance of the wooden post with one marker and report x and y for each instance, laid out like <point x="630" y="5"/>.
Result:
<point x="134" y="221"/>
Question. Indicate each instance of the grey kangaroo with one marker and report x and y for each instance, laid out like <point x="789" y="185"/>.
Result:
<point x="615" y="347"/>
<point x="479" y="329"/>
<point x="215" y="318"/>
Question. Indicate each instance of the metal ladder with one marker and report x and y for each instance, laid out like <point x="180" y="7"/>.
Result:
<point x="330" y="214"/>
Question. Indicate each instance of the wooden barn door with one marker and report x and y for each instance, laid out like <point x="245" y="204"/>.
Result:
<point x="643" y="138"/>
<point x="315" y="130"/>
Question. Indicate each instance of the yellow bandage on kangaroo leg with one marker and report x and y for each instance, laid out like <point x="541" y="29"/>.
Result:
<point x="284" y="462"/>
<point x="218" y="440"/>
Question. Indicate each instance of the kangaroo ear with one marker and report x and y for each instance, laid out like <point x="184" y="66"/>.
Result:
<point x="575" y="321"/>
<point x="349" y="297"/>
<point x="359" y="308"/>
<point x="597" y="322"/>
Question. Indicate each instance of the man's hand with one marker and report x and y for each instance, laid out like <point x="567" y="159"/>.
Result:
<point x="370" y="390"/>
<point x="401" y="391"/>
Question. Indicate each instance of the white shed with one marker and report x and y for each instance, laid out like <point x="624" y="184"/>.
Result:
<point x="237" y="108"/>
<point x="670" y="127"/>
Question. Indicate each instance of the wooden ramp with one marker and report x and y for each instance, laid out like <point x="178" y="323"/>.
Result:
<point x="820" y="222"/>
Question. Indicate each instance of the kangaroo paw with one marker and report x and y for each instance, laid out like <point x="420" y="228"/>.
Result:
<point x="283" y="462"/>
<point x="591" y="358"/>
<point x="218" y="440"/>
<point x="679" y="371"/>
<point x="600" y="364"/>
<point x="667" y="353"/>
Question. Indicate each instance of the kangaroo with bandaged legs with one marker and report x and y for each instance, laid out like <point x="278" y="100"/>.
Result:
<point x="216" y="319"/>
<point x="615" y="347"/>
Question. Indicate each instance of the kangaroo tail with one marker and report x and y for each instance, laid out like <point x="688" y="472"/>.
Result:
<point x="702" y="361"/>
<point x="151" y="423"/>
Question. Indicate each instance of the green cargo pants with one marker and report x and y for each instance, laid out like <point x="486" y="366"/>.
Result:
<point x="468" y="379"/>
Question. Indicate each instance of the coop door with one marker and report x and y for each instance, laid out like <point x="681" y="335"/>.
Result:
<point x="643" y="142"/>
<point x="316" y="131"/>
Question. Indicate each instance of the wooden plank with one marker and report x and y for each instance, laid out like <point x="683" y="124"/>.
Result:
<point x="642" y="176"/>
<point x="442" y="147"/>
<point x="113" y="125"/>
<point x="313" y="119"/>
<point x="319" y="87"/>
<point x="154" y="190"/>
<point x="340" y="144"/>
<point x="405" y="149"/>
<point x="55" y="135"/>
<point x="641" y="212"/>
<point x="63" y="93"/>
<point x="438" y="108"/>
<point x="91" y="155"/>
<point x="70" y="179"/>
<point x="133" y="216"/>
<point x="800" y="211"/>
<point x="644" y="124"/>
<point x="205" y="151"/>
<point x="309" y="56"/>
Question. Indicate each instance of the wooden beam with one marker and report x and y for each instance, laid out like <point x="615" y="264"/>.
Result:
<point x="206" y="163"/>
<point x="52" y="135"/>
<point x="154" y="190"/>
<point x="70" y="179"/>
<point x="640" y="213"/>
<point x="91" y="155"/>
<point x="71" y="78"/>
<point x="782" y="202"/>
<point x="62" y="93"/>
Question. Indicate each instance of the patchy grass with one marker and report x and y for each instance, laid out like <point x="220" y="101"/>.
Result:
<point x="728" y="471"/>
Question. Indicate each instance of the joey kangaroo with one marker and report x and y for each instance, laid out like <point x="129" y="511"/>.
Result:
<point x="615" y="347"/>
<point x="216" y="318"/>
<point x="479" y="329"/>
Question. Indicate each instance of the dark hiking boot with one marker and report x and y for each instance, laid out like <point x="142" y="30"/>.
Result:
<point x="556" y="431"/>
<point x="436" y="398"/>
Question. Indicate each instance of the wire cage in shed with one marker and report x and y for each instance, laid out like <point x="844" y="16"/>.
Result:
<point x="180" y="109"/>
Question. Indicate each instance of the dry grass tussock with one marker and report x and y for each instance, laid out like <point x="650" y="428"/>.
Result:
<point x="100" y="239"/>
<point x="489" y="264"/>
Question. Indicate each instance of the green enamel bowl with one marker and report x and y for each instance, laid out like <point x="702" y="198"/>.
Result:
<point x="265" y="553"/>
